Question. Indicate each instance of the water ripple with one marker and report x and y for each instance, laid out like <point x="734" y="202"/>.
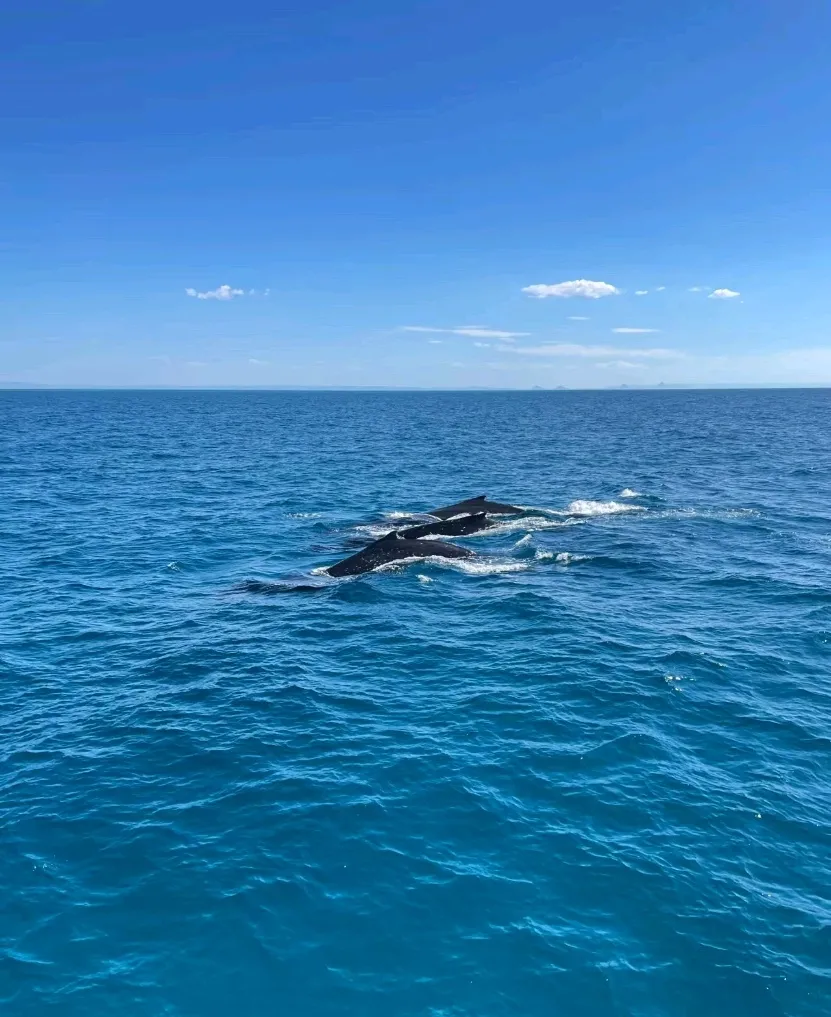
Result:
<point x="585" y="773"/>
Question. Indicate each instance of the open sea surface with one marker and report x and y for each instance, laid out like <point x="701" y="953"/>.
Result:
<point x="586" y="774"/>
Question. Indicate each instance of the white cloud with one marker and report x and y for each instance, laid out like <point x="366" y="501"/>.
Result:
<point x="574" y="288"/>
<point x="484" y="346"/>
<point x="579" y="350"/>
<point x="625" y="365"/>
<point x="660" y="289"/>
<point x="697" y="289"/>
<point x="577" y="317"/>
<point x="641" y="293"/>
<point x="474" y="331"/>
<point x="634" y="331"/>
<point x="724" y="295"/>
<point x="223" y="292"/>
<point x="435" y="342"/>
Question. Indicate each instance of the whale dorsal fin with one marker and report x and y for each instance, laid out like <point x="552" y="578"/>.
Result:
<point x="392" y="535"/>
<point x="479" y="497"/>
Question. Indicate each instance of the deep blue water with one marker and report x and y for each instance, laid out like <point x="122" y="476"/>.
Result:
<point x="587" y="776"/>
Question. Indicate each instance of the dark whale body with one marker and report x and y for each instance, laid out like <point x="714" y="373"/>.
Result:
<point x="449" y="528"/>
<point x="392" y="547"/>
<point x="475" y="505"/>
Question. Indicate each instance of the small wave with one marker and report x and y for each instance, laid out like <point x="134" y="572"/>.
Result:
<point x="372" y="530"/>
<point x="540" y="510"/>
<point x="674" y="681"/>
<point x="562" y="557"/>
<point x="530" y="524"/>
<point x="481" y="566"/>
<point x="270" y="588"/>
<point x="601" y="508"/>
<point x="304" y="515"/>
<point x="627" y="492"/>
<point x="717" y="514"/>
<point x="524" y="540"/>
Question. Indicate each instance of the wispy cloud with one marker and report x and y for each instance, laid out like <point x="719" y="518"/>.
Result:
<point x="641" y="293"/>
<point x="258" y="363"/>
<point x="724" y="294"/>
<point x="625" y="365"/>
<point x="223" y="292"/>
<point x="573" y="288"/>
<point x="435" y="342"/>
<point x="634" y="331"/>
<point x="473" y="331"/>
<point x="577" y="317"/>
<point x="660" y="289"/>
<point x="580" y="350"/>
<point x="697" y="289"/>
<point x="484" y="346"/>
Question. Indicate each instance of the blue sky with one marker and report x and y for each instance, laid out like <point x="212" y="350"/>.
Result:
<point x="337" y="178"/>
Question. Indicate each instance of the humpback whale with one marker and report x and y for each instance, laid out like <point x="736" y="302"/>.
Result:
<point x="392" y="547"/>
<point x="449" y="527"/>
<point x="475" y="505"/>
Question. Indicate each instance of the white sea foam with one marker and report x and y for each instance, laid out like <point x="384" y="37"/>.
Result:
<point x="561" y="557"/>
<point x="542" y="509"/>
<point x="524" y="540"/>
<point x="481" y="566"/>
<point x="530" y="524"/>
<point x="601" y="508"/>
<point x="373" y="530"/>
<point x="627" y="492"/>
<point x="305" y="515"/>
<point x="567" y="558"/>
<point x="694" y="513"/>
<point x="425" y="579"/>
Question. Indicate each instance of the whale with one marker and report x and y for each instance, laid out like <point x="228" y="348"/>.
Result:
<point x="474" y="506"/>
<point x="457" y="527"/>
<point x="394" y="547"/>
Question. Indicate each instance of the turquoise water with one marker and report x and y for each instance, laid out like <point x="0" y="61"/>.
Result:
<point x="586" y="774"/>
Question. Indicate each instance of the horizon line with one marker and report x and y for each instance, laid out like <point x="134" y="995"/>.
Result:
<point x="19" y="386"/>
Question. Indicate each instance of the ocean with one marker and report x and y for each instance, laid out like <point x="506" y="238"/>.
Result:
<point x="586" y="773"/>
